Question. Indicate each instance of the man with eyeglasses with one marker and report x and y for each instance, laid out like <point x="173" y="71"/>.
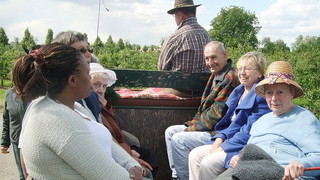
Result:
<point x="183" y="50"/>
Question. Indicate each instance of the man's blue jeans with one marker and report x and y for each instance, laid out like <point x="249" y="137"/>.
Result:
<point x="179" y="144"/>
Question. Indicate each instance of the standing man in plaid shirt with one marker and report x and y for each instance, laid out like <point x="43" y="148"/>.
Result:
<point x="183" y="50"/>
<point x="181" y="139"/>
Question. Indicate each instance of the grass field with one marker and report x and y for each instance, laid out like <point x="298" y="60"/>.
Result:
<point x="6" y="85"/>
<point x="2" y="93"/>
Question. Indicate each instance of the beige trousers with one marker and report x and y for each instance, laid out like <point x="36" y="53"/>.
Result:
<point x="204" y="165"/>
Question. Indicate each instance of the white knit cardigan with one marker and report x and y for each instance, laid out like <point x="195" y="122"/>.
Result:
<point x="56" y="144"/>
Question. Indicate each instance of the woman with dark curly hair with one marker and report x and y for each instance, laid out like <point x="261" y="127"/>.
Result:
<point x="61" y="139"/>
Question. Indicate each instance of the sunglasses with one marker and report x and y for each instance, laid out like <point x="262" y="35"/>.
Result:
<point x="84" y="50"/>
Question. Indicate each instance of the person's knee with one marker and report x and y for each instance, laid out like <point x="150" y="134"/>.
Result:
<point x="174" y="138"/>
<point x="193" y="156"/>
<point x="207" y="164"/>
<point x="169" y="132"/>
<point x="180" y="140"/>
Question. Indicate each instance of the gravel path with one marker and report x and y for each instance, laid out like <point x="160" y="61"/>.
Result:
<point x="8" y="169"/>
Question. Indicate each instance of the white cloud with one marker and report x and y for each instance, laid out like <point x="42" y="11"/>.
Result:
<point x="146" y="22"/>
<point x="287" y="19"/>
<point x="141" y="23"/>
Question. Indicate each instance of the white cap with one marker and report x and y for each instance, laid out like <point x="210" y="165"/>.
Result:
<point x="98" y="68"/>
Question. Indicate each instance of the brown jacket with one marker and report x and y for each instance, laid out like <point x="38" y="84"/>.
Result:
<point x="109" y="121"/>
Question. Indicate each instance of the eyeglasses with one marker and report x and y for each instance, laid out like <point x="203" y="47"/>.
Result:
<point x="84" y="50"/>
<point x="246" y="69"/>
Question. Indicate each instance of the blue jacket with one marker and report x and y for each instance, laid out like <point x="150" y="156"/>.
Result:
<point x="93" y="104"/>
<point x="236" y="133"/>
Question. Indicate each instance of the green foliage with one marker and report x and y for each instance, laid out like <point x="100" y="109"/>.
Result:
<point x="306" y="62"/>
<point x="304" y="57"/>
<point x="4" y="41"/>
<point x="274" y="47"/>
<point x="97" y="46"/>
<point x="236" y="53"/>
<point x="49" y="36"/>
<point x="28" y="40"/>
<point x="7" y="56"/>
<point x="120" y="45"/>
<point x="110" y="45"/>
<point x="130" y="59"/>
<point x="235" y="26"/>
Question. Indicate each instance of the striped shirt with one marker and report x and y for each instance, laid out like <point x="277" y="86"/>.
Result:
<point x="183" y="50"/>
<point x="213" y="106"/>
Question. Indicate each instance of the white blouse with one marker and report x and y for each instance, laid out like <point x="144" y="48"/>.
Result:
<point x="101" y="133"/>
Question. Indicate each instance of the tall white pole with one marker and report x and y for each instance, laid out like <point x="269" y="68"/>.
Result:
<point x="98" y="19"/>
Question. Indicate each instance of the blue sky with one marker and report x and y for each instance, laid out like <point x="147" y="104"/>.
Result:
<point x="146" y="22"/>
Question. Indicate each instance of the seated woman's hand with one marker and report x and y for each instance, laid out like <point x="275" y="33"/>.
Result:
<point x="135" y="154"/>
<point x="216" y="146"/>
<point x="102" y="100"/>
<point x="233" y="161"/>
<point x="294" y="170"/>
<point x="144" y="165"/>
<point x="136" y="173"/>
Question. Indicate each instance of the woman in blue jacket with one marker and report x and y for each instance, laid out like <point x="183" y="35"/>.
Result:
<point x="244" y="108"/>
<point x="285" y="141"/>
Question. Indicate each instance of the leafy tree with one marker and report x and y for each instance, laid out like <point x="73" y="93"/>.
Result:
<point x="120" y="45"/>
<point x="281" y="46"/>
<point x="4" y="41"/>
<point x="145" y="48"/>
<point x="7" y="58"/>
<point x="49" y="36"/>
<point x="28" y="40"/>
<point x="305" y="58"/>
<point x="273" y="47"/>
<point x="137" y="47"/>
<point x="234" y="26"/>
<point x="304" y="43"/>
<point x="268" y="46"/>
<point x="97" y="46"/>
<point x="110" y="45"/>
<point x="236" y="53"/>
<point x="16" y="44"/>
<point x="127" y="45"/>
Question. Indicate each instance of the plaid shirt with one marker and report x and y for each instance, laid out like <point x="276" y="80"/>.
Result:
<point x="213" y="107"/>
<point x="183" y="50"/>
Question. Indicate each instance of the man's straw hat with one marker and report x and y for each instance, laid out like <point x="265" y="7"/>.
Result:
<point x="179" y="4"/>
<point x="279" y="72"/>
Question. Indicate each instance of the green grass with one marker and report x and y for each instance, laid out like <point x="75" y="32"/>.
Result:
<point x="2" y="93"/>
<point x="6" y="85"/>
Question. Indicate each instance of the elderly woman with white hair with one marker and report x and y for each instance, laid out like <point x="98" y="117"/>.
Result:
<point x="285" y="141"/>
<point x="102" y="78"/>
